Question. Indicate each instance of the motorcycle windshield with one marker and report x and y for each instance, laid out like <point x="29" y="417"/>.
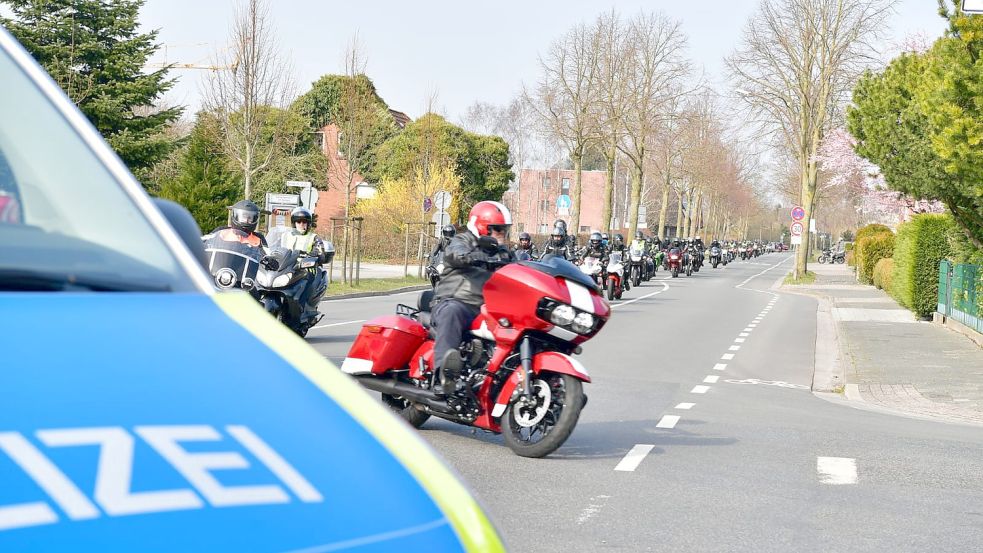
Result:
<point x="555" y="265"/>
<point x="615" y="258"/>
<point x="230" y="249"/>
<point x="637" y="250"/>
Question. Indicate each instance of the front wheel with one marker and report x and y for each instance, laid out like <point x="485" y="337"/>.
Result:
<point x="675" y="272"/>
<point x="610" y="289"/>
<point x="821" y="259"/>
<point x="715" y="264"/>
<point x="689" y="270"/>
<point x="406" y="410"/>
<point x="636" y="276"/>
<point x="540" y="426"/>
<point x="841" y="260"/>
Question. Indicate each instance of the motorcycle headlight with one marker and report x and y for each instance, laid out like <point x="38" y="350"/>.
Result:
<point x="282" y="280"/>
<point x="263" y="278"/>
<point x="225" y="278"/>
<point x="562" y="315"/>
<point x="583" y="323"/>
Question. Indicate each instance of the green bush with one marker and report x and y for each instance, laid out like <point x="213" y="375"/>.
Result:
<point x="848" y="247"/>
<point x="851" y="259"/>
<point x="920" y="245"/>
<point x="870" y="250"/>
<point x="859" y="250"/>
<point x="883" y="273"/>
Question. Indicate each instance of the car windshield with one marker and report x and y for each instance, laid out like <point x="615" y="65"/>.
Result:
<point x="65" y="222"/>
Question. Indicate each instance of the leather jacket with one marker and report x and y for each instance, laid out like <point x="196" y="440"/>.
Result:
<point x="466" y="271"/>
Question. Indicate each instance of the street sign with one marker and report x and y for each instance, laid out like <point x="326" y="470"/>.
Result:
<point x="441" y="218"/>
<point x="299" y="183"/>
<point x="796" y="229"/>
<point x="973" y="6"/>
<point x="283" y="199"/>
<point x="427" y="204"/>
<point x="796" y="240"/>
<point x="563" y="202"/>
<point x="812" y="226"/>
<point x="442" y="200"/>
<point x="798" y="213"/>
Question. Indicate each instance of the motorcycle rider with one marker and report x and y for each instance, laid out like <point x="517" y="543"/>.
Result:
<point x="618" y="244"/>
<point x="245" y="217"/>
<point x="437" y="255"/>
<point x="469" y="260"/>
<point x="525" y="250"/>
<point x="303" y="238"/>
<point x="595" y="248"/>
<point x="558" y="243"/>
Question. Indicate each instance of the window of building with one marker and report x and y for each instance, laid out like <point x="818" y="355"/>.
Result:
<point x="544" y="205"/>
<point x="543" y="228"/>
<point x="565" y="187"/>
<point x="521" y="227"/>
<point x="584" y="228"/>
<point x="546" y="183"/>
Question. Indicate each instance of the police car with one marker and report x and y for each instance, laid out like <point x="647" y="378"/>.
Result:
<point x="140" y="410"/>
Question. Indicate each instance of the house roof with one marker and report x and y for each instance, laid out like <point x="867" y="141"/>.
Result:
<point x="401" y="118"/>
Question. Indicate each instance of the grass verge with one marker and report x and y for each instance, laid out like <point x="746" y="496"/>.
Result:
<point x="338" y="288"/>
<point x="808" y="278"/>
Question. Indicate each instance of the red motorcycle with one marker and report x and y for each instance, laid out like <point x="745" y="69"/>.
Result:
<point x="675" y="258"/>
<point x="519" y="377"/>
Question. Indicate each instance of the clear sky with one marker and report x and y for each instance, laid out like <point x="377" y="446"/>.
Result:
<point x="465" y="50"/>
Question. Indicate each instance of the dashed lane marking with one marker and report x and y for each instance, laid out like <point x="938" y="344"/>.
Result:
<point x="720" y="366"/>
<point x="734" y="348"/>
<point x="836" y="470"/>
<point x="739" y="340"/>
<point x="668" y="421"/>
<point x="745" y="334"/>
<point x="685" y="406"/>
<point x="338" y="324"/>
<point x="699" y="389"/>
<point x="727" y="356"/>
<point x="634" y="457"/>
<point x="712" y="379"/>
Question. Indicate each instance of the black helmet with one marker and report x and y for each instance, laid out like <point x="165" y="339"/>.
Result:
<point x="639" y="235"/>
<point x="300" y="214"/>
<point x="604" y="236"/>
<point x="560" y="223"/>
<point x="595" y="239"/>
<point x="619" y="239"/>
<point x="245" y="216"/>
<point x="448" y="231"/>
<point x="525" y="236"/>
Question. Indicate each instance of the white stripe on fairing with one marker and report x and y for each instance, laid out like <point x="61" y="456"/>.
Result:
<point x="837" y="470"/>
<point x="483" y="332"/>
<point x="580" y="297"/>
<point x="668" y="421"/>
<point x="562" y="333"/>
<point x="634" y="457"/>
<point x="498" y="410"/>
<point x="353" y="365"/>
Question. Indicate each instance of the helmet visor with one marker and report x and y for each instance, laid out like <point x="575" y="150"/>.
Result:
<point x="245" y="216"/>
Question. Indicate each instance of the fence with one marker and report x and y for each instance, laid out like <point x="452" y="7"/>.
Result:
<point x="959" y="289"/>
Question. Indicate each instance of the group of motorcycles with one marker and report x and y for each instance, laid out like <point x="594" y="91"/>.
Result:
<point x="288" y="283"/>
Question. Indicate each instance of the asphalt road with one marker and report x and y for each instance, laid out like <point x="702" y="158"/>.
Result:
<point x="701" y="434"/>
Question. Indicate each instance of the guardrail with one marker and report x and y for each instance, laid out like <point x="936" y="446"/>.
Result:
<point x="958" y="288"/>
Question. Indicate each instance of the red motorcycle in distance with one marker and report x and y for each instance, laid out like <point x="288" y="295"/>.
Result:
<point x="675" y="258"/>
<point x="519" y="377"/>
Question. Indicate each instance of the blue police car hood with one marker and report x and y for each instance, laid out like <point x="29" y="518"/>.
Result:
<point x="184" y="422"/>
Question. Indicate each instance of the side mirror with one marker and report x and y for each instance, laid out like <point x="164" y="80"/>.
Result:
<point x="185" y="226"/>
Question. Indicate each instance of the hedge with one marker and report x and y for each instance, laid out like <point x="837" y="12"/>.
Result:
<point x="920" y="245"/>
<point x="865" y="267"/>
<point x="870" y="250"/>
<point x="883" y="274"/>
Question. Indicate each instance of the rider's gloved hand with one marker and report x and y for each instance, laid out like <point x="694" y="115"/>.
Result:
<point x="488" y="244"/>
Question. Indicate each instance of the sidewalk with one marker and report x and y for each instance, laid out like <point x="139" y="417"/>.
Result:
<point x="375" y="270"/>
<point x="885" y="357"/>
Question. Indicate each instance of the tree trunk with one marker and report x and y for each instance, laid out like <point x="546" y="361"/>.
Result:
<point x="578" y="162"/>
<point x="689" y="213"/>
<point x="608" y="189"/>
<point x="345" y="236"/>
<point x="679" y="215"/>
<point x="636" y="199"/>
<point x="808" y="193"/>
<point x="663" y="210"/>
<point x="248" y="174"/>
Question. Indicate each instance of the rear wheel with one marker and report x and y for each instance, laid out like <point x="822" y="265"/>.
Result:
<point x="714" y="264"/>
<point x="841" y="260"/>
<point x="610" y="289"/>
<point x="675" y="272"/>
<point x="406" y="410"/>
<point x="541" y="426"/>
<point x="689" y="270"/>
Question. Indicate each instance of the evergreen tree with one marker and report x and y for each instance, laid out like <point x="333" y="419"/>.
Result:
<point x="93" y="50"/>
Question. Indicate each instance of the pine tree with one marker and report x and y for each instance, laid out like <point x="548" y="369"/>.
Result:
<point x="93" y="50"/>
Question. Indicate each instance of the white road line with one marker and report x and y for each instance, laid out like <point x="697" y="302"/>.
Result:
<point x="634" y="457"/>
<point x="712" y="379"/>
<point x="338" y="324"/>
<point x="752" y="325"/>
<point x="740" y="340"/>
<point x="745" y="334"/>
<point x="664" y="288"/>
<point x="734" y="348"/>
<point x="837" y="470"/>
<point x="763" y="272"/>
<point x="699" y="389"/>
<point x="727" y="356"/>
<point x="668" y="421"/>
<point x="685" y="406"/>
<point x="720" y="366"/>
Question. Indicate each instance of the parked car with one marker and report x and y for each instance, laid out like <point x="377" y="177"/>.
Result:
<point x="145" y="411"/>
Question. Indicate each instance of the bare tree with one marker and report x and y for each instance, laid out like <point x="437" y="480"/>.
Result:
<point x="795" y="69"/>
<point x="564" y="98"/>
<point x="609" y="109"/>
<point x="258" y="79"/>
<point x="653" y="79"/>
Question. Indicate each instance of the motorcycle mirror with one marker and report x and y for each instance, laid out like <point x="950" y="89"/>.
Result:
<point x="185" y="226"/>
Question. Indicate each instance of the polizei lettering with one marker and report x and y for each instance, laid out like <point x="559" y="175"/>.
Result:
<point x="112" y="495"/>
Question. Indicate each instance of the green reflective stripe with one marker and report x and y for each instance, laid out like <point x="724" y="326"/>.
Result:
<point x="468" y="520"/>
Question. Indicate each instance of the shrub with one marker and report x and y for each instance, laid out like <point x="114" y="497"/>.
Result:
<point x="883" y="273"/>
<point x="920" y="245"/>
<point x="871" y="249"/>
<point x="851" y="258"/>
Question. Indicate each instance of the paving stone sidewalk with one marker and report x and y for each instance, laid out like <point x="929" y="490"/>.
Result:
<point x="892" y="360"/>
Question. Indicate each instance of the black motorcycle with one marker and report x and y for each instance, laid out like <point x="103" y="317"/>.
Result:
<point x="290" y="285"/>
<point x="233" y="258"/>
<point x="715" y="256"/>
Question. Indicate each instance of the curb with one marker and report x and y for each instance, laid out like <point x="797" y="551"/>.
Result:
<point x="827" y="373"/>
<point x="956" y="326"/>
<point x="374" y="294"/>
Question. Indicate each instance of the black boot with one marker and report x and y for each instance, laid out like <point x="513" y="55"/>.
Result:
<point x="450" y="371"/>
